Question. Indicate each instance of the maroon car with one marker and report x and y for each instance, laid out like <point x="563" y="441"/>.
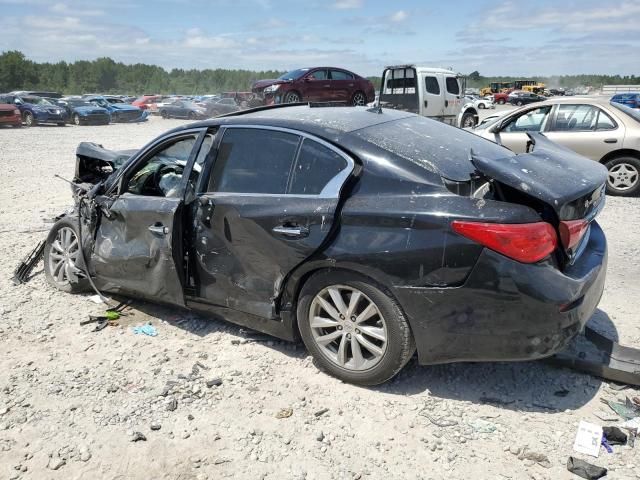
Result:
<point x="318" y="84"/>
<point x="10" y="115"/>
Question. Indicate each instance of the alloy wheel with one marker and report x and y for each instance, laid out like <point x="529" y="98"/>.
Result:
<point x="348" y="328"/>
<point x="292" y="97"/>
<point x="28" y="120"/>
<point x="623" y="176"/>
<point x="76" y="119"/>
<point x="359" y="99"/>
<point x="64" y="256"/>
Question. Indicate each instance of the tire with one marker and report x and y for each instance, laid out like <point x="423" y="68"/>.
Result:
<point x="115" y="118"/>
<point x="519" y="103"/>
<point x="191" y="116"/>
<point x="164" y="114"/>
<point x="501" y="101"/>
<point x="18" y="125"/>
<point x="468" y="120"/>
<point x="76" y="119"/>
<point x="359" y="99"/>
<point x="623" y="177"/>
<point x="61" y="258"/>
<point x="482" y="106"/>
<point x="391" y="347"/>
<point x="29" y="120"/>
<point x="292" y="97"/>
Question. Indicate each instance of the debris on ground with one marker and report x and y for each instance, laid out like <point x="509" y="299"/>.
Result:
<point x="588" y="439"/>
<point x="25" y="267"/>
<point x="584" y="469"/>
<point x="146" y="329"/>
<point x="320" y="412"/>
<point x="626" y="410"/>
<point x="284" y="413"/>
<point x="482" y="426"/>
<point x="138" y="437"/>
<point x="614" y="436"/>
<point x="440" y="422"/>
<point x="536" y="457"/>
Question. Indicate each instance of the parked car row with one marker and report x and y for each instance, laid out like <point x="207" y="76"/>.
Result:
<point x="594" y="127"/>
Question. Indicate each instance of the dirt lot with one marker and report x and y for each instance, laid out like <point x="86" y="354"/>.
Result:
<point x="71" y="400"/>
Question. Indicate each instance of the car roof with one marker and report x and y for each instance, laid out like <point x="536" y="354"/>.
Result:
<point x="317" y="120"/>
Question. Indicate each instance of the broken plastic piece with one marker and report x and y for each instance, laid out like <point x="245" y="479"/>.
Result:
<point x="146" y="329"/>
<point x="24" y="268"/>
<point x="584" y="469"/>
<point x="612" y="361"/>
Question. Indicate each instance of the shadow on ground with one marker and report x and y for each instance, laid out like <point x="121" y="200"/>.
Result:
<point x="520" y="386"/>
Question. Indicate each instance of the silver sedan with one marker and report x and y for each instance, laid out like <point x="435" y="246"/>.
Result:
<point x="594" y="127"/>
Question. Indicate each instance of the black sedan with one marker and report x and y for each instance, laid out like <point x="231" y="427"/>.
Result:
<point x="367" y="233"/>
<point x="183" y="109"/>
<point x="524" y="98"/>
<point x="221" y="106"/>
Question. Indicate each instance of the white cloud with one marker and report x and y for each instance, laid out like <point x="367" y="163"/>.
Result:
<point x="399" y="16"/>
<point x="348" y="4"/>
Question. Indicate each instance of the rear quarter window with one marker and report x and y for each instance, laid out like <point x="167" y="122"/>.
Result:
<point x="314" y="169"/>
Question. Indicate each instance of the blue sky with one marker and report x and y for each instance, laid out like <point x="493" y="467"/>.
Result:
<point x="495" y="37"/>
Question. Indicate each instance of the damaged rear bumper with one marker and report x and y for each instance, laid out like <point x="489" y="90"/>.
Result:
<point x="507" y="310"/>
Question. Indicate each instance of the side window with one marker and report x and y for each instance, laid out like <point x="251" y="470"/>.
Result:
<point x="340" y="75"/>
<point x="319" y="75"/>
<point x="605" y="122"/>
<point x="252" y="160"/>
<point x="531" y="121"/>
<point x="432" y="85"/>
<point x="315" y="167"/>
<point x="576" y="118"/>
<point x="453" y="87"/>
<point x="161" y="174"/>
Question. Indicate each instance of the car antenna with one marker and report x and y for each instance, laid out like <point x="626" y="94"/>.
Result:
<point x="85" y="189"/>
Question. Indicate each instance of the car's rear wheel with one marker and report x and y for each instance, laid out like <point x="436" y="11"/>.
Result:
<point x="623" y="177"/>
<point x="482" y="106"/>
<point x="191" y="116"/>
<point x="164" y="114"/>
<point x="292" y="97"/>
<point x="501" y="101"/>
<point x="359" y="99"/>
<point x="29" y="119"/>
<point x="519" y="103"/>
<point x="63" y="259"/>
<point x="354" y="330"/>
<point x="76" y="119"/>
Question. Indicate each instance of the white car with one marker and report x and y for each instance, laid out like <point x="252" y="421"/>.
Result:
<point x="480" y="102"/>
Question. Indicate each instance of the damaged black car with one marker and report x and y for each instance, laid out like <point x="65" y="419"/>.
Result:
<point x="368" y="233"/>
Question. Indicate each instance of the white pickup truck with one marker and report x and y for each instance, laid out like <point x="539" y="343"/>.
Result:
<point x="431" y="92"/>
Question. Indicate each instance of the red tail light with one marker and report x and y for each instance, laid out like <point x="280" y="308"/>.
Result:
<point x="571" y="232"/>
<point x="524" y="242"/>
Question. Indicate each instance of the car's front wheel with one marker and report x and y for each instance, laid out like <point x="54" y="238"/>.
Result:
<point x="468" y="120"/>
<point x="292" y="97"/>
<point x="623" y="176"/>
<point x="63" y="258"/>
<point x="501" y="101"/>
<point x="29" y="119"/>
<point x="76" y="119"/>
<point x="164" y="114"/>
<point x="354" y="330"/>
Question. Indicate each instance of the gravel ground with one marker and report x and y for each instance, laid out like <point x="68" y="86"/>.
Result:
<point x="206" y="399"/>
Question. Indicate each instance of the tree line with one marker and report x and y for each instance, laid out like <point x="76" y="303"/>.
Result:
<point x="104" y="75"/>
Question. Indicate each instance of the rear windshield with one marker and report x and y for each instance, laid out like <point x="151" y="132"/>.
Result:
<point x="433" y="145"/>
<point x="632" y="112"/>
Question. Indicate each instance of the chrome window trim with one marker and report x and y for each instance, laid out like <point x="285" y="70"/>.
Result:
<point x="330" y="190"/>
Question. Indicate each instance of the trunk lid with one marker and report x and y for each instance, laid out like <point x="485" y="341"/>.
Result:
<point x="569" y="184"/>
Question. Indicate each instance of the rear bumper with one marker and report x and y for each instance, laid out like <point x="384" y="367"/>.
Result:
<point x="507" y="310"/>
